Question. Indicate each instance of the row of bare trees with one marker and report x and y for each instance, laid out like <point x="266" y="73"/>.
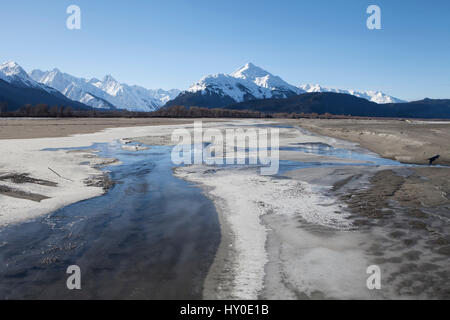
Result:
<point x="39" y="110"/>
<point x="44" y="110"/>
<point x="199" y="112"/>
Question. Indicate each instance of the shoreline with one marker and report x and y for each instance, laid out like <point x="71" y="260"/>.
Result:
<point x="224" y="258"/>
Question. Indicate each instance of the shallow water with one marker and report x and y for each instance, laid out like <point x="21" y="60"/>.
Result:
<point x="329" y="151"/>
<point x="152" y="236"/>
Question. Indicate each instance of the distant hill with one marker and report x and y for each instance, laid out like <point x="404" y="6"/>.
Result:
<point x="345" y="104"/>
<point x="426" y="108"/>
<point x="317" y="102"/>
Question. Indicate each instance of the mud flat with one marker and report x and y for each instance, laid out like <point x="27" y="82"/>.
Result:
<point x="29" y="128"/>
<point x="408" y="141"/>
<point x="401" y="217"/>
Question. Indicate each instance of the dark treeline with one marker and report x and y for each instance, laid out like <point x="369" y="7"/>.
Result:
<point x="198" y="112"/>
<point x="46" y="111"/>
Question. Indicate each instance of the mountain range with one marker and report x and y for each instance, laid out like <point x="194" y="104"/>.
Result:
<point x="106" y="93"/>
<point x="17" y="89"/>
<point x="252" y="83"/>
<point x="219" y="90"/>
<point x="247" y="88"/>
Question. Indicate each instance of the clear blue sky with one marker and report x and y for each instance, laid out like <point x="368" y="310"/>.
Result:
<point x="171" y="44"/>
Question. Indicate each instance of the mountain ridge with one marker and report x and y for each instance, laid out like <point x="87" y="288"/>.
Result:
<point x="102" y="94"/>
<point x="17" y="89"/>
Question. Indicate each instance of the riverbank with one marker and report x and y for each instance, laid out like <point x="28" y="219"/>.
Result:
<point x="406" y="141"/>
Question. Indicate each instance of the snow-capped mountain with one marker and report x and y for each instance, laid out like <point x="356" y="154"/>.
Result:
<point x="269" y="86"/>
<point x="374" y="96"/>
<point x="14" y="74"/>
<point x="220" y="90"/>
<point x="17" y="89"/>
<point x="251" y="83"/>
<point x="247" y="83"/>
<point x="105" y="93"/>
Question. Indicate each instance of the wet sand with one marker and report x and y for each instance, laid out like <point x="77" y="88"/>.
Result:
<point x="406" y="210"/>
<point x="403" y="214"/>
<point x="405" y="141"/>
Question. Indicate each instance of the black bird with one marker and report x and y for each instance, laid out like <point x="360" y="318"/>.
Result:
<point x="433" y="159"/>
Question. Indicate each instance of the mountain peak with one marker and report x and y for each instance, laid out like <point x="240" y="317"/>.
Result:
<point x="11" y="68"/>
<point x="11" y="71"/>
<point x="250" y="65"/>
<point x="250" y="71"/>
<point x="10" y="64"/>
